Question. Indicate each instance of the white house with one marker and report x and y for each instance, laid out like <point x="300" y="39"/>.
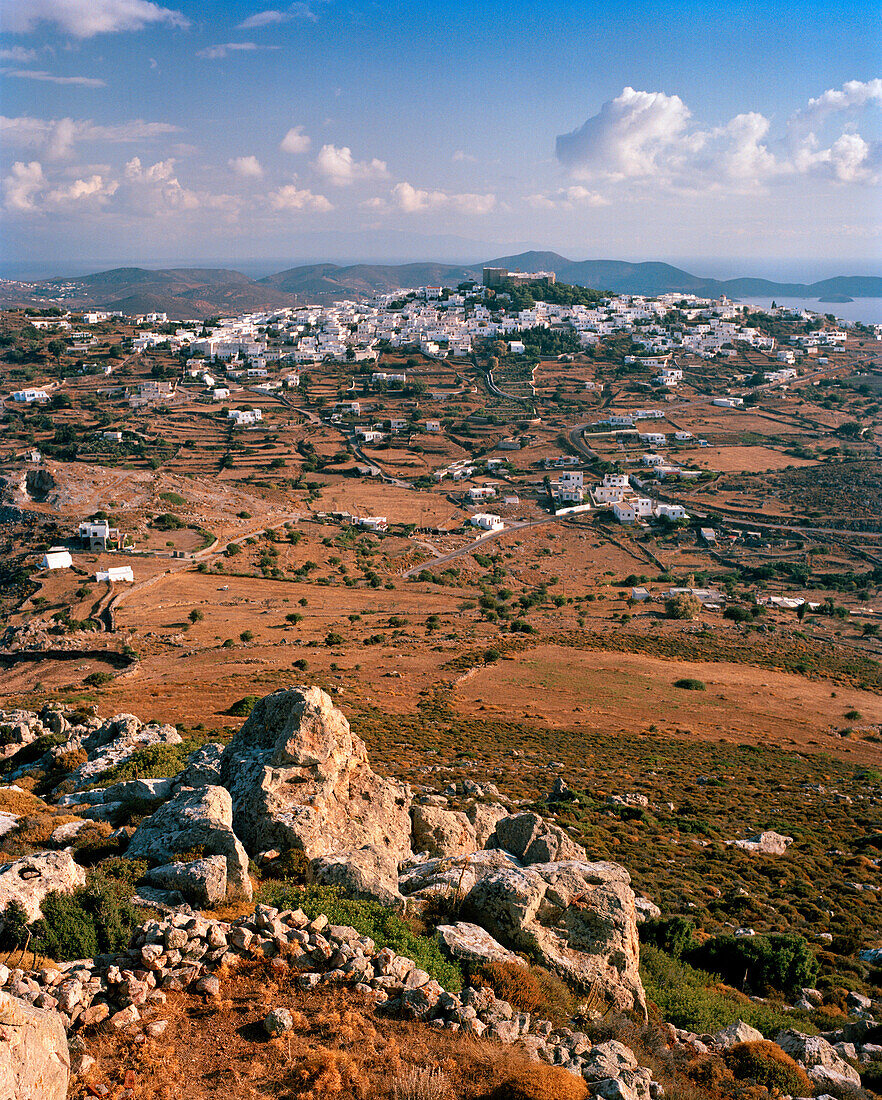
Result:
<point x="516" y="347"/>
<point x="30" y="396"/>
<point x="98" y="533"/>
<point x="56" y="558"/>
<point x="671" y="511"/>
<point x="115" y="573"/>
<point x="682" y="437"/>
<point x="244" y="418"/>
<point x="371" y="523"/>
<point x="652" y="439"/>
<point x="487" y="521"/>
<point x="728" y="402"/>
<point x="114" y="437"/>
<point x="652" y="459"/>
<point x="220" y="393"/>
<point x="632" y="508"/>
<point x="615" y="481"/>
<point x="481" y="492"/>
<point x="369" y="435"/>
<point x="433" y="425"/>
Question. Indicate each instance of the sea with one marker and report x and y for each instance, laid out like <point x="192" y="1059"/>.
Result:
<point x="866" y="310"/>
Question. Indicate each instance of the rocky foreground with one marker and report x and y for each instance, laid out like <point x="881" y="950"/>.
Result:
<point x="295" y="778"/>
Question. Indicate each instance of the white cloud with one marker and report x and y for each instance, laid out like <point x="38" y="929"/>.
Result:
<point x="86" y="18"/>
<point x="341" y="169"/>
<point x="49" y="78"/>
<point x="94" y="189"/>
<point x="55" y="138"/>
<point x="22" y="184"/>
<point x="246" y="166"/>
<point x="649" y="138"/>
<point x="459" y="156"/>
<point x="217" y="53"/>
<point x="273" y="16"/>
<point x="413" y="200"/>
<point x="18" y="54"/>
<point x="290" y="197"/>
<point x="295" y="141"/>
<point x="567" y="198"/>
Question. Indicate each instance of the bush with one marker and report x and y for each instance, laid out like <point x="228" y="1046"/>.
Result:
<point x="97" y="679"/>
<point x="538" y="1082"/>
<point x="152" y="762"/>
<point x="14" y="929"/>
<point x="243" y="707"/>
<point x="682" y="606"/>
<point x="779" y="961"/>
<point x="689" y="684"/>
<point x="98" y="918"/>
<point x="528" y="989"/>
<point x="369" y="918"/>
<point x="673" y="935"/>
<point x="765" y="1063"/>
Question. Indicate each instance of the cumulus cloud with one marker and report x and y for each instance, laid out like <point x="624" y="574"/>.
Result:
<point x="414" y="200"/>
<point x="273" y="16"/>
<point x="246" y="166"/>
<point x="341" y="169"/>
<point x="459" y="156"/>
<point x="22" y="184"/>
<point x="55" y="138"/>
<point x="50" y="78"/>
<point x="567" y="198"/>
<point x="650" y="138"/>
<point x="94" y="189"/>
<point x="86" y="18"/>
<point x="295" y="141"/>
<point x="290" y="197"/>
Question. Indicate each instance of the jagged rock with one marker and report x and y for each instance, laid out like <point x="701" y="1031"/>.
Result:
<point x="367" y="872"/>
<point x="201" y="881"/>
<point x="766" y="844"/>
<point x="646" y="910"/>
<point x="278" y="1022"/>
<point x="34" y="1056"/>
<point x="631" y="799"/>
<point x="115" y="741"/>
<point x="442" y="832"/>
<point x="484" y="817"/>
<point x="473" y="943"/>
<point x="559" y="792"/>
<point x="451" y="876"/>
<point x="300" y="778"/>
<point x="739" y="1032"/>
<point x="532" y="839"/>
<point x="7" y="823"/>
<point x="138" y="793"/>
<point x="579" y="917"/>
<point x="608" y="1059"/>
<point x="203" y="768"/>
<point x="28" y="880"/>
<point x="823" y="1065"/>
<point x="194" y="820"/>
<point x="64" y="834"/>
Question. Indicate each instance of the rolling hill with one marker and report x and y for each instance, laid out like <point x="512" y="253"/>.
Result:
<point x="202" y="292"/>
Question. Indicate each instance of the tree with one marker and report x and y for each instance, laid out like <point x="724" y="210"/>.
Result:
<point x="682" y="606"/>
<point x="195" y="616"/>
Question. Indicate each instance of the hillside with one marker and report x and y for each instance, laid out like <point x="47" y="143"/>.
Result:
<point x="200" y="292"/>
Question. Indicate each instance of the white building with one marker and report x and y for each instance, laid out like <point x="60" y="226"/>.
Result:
<point x="728" y="402"/>
<point x="30" y="396"/>
<point x="243" y="418"/>
<point x="487" y="521"/>
<point x="371" y="523"/>
<point x="115" y="574"/>
<point x="56" y="558"/>
<point x="482" y="492"/>
<point x="652" y="439"/>
<point x="631" y="509"/>
<point x="671" y="511"/>
<point x="433" y="425"/>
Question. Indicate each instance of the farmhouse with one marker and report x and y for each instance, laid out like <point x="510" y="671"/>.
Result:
<point x="115" y="574"/>
<point x="98" y="534"/>
<point x="244" y="418"/>
<point x="370" y="523"/>
<point x="482" y="492"/>
<point x="652" y="439"/>
<point x="671" y="511"/>
<point x="487" y="521"/>
<point x="30" y="396"/>
<point x="631" y="509"/>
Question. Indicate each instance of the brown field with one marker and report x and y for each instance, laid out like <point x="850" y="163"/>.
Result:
<point x="748" y="459"/>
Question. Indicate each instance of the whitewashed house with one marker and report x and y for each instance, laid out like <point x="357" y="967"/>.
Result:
<point x="56" y="558"/>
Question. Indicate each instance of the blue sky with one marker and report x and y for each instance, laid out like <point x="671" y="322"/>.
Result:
<point x="738" y="138"/>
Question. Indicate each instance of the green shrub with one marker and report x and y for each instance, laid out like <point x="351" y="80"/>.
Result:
<point x="14" y="928"/>
<point x="369" y="918"/>
<point x="689" y="684"/>
<point x="243" y="707"/>
<point x="152" y="762"/>
<point x="97" y="679"/>
<point x="673" y="935"/>
<point x="685" y="997"/>
<point x="765" y="1063"/>
<point x="781" y="961"/>
<point x="98" y="918"/>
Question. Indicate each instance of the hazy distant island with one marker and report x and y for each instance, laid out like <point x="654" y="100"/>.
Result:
<point x="839" y="299"/>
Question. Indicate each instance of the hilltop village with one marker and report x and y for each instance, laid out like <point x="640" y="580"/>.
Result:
<point x="596" y="582"/>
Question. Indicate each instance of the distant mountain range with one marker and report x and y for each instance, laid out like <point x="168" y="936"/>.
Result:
<point x="203" y="292"/>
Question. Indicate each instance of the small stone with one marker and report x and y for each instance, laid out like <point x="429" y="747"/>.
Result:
<point x="156" y="1028"/>
<point x="278" y="1021"/>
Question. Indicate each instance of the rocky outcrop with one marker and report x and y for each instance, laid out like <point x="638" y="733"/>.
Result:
<point x="578" y="917"/>
<point x="34" y="1056"/>
<point x="471" y="943"/>
<point x="484" y="817"/>
<point x="299" y="778"/>
<point x="367" y="872"/>
<point x="452" y="877"/>
<point x="442" y="832"/>
<point x="736" y="1033"/>
<point x="28" y="880"/>
<point x="817" y="1056"/>
<point x="766" y="844"/>
<point x="200" y="881"/>
<point x="532" y="839"/>
<point x="194" y="821"/>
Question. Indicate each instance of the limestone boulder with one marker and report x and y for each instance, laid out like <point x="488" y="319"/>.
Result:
<point x="736" y="1033"/>
<point x="532" y="839"/>
<point x="28" y="880"/>
<point x="484" y="817"/>
<point x="34" y="1056"/>
<point x="194" y="821"/>
<point x="472" y="943"/>
<point x="578" y="917"/>
<point x="821" y="1061"/>
<point x="766" y="844"/>
<point x="367" y="872"/>
<point x="451" y="877"/>
<point x="203" y="767"/>
<point x="203" y="882"/>
<point x="300" y="778"/>
<point x="442" y="832"/>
